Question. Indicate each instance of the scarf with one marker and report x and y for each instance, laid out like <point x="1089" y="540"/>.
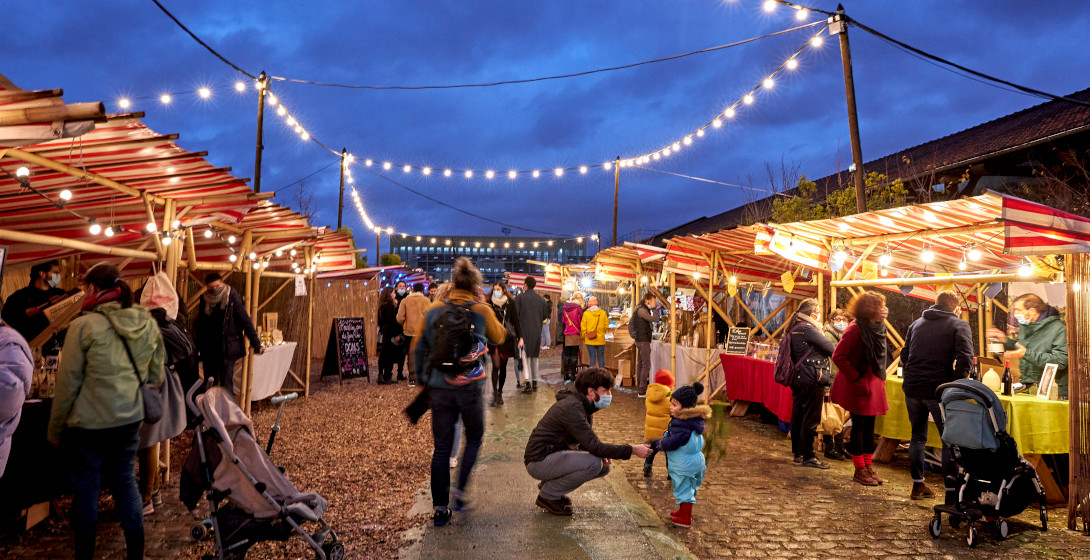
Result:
<point x="96" y="298"/>
<point x="873" y="355"/>
<point x="500" y="300"/>
<point x="212" y="300"/>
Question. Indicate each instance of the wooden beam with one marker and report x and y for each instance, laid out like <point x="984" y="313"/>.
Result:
<point x="745" y="308"/>
<point x="51" y="241"/>
<point x="79" y="174"/>
<point x="863" y="257"/>
<point x="275" y="292"/>
<point x="774" y="312"/>
<point x="226" y="226"/>
<point x="52" y="113"/>
<point x="936" y="280"/>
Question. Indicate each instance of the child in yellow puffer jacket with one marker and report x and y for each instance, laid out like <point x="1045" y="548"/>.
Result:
<point x="658" y="412"/>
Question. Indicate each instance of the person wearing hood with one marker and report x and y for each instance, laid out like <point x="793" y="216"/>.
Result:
<point x="221" y="327"/>
<point x="23" y="309"/>
<point x="16" y="374"/>
<point x="98" y="409"/>
<point x="593" y="327"/>
<point x="503" y="305"/>
<point x="1042" y="339"/>
<point x="683" y="443"/>
<point x="532" y="311"/>
<point x="810" y="352"/>
<point x="571" y="320"/>
<point x="834" y="328"/>
<point x="563" y="451"/>
<point x="938" y="349"/>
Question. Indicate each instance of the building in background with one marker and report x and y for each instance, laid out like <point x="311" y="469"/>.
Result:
<point x="493" y="255"/>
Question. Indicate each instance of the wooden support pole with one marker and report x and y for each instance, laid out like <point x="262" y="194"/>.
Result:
<point x="310" y="334"/>
<point x="274" y="294"/>
<point x="756" y="321"/>
<point x="51" y="241"/>
<point x="863" y="257"/>
<point x="936" y="280"/>
<point x="714" y="307"/>
<point x="673" y="323"/>
<point x="243" y="397"/>
<point x="983" y="340"/>
<point x="151" y="220"/>
<point x="191" y="250"/>
<point x="709" y="331"/>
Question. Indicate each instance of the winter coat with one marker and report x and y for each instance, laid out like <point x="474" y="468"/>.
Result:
<point x="388" y="326"/>
<point x="594" y="319"/>
<point x="567" y="425"/>
<point x="938" y="349"/>
<point x="14" y="311"/>
<point x="859" y="392"/>
<point x="641" y="324"/>
<point x="571" y="317"/>
<point x="488" y="329"/>
<point x="658" y="411"/>
<point x="220" y="333"/>
<point x="805" y="336"/>
<point x="16" y="374"/>
<point x="508" y="316"/>
<point x="684" y="440"/>
<point x="96" y="386"/>
<point x="532" y="310"/>
<point x="410" y="313"/>
<point x="1046" y="343"/>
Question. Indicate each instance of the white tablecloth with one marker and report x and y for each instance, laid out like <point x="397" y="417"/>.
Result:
<point x="690" y="364"/>
<point x="270" y="370"/>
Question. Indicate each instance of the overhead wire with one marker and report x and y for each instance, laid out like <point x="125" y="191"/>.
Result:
<point x="202" y="43"/>
<point x="766" y="191"/>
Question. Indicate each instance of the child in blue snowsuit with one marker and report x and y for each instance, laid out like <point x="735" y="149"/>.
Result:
<point x="683" y="442"/>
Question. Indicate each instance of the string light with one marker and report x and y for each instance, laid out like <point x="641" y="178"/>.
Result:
<point x="231" y="239"/>
<point x="1026" y="269"/>
<point x="95" y="228"/>
<point x="240" y="86"/>
<point x="109" y="231"/>
<point x="165" y="99"/>
<point x="151" y="227"/>
<point x="66" y="195"/>
<point x="885" y="259"/>
<point x="974" y="254"/>
<point x="124" y="103"/>
<point x="204" y="92"/>
<point x="928" y="255"/>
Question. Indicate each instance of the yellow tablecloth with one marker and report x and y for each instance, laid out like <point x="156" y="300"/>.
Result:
<point x="1037" y="425"/>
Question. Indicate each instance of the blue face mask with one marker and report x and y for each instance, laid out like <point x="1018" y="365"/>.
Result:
<point x="603" y="401"/>
<point x="1021" y="319"/>
<point x="54" y="280"/>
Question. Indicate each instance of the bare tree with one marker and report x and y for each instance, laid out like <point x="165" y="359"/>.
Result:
<point x="302" y="199"/>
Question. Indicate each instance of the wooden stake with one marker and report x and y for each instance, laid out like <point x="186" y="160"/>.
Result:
<point x="673" y="323"/>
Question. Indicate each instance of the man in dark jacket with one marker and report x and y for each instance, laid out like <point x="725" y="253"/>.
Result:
<point x="938" y="349"/>
<point x="221" y="327"/>
<point x="532" y="311"/>
<point x="810" y="352"/>
<point x="23" y="309"/>
<point x="551" y="454"/>
<point x="640" y="329"/>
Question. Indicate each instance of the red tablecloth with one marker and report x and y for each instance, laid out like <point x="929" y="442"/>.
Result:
<point x="752" y="380"/>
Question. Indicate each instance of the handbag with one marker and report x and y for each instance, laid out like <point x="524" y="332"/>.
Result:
<point x="153" y="400"/>
<point x="593" y="333"/>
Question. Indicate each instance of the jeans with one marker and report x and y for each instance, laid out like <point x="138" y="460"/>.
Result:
<point x="531" y="368"/>
<point x="597" y="355"/>
<point x="643" y="366"/>
<point x="97" y="456"/>
<point x="546" y="336"/>
<point x="806" y="401"/>
<point x="862" y="440"/>
<point x="918" y="409"/>
<point x="446" y="406"/>
<point x="409" y="358"/>
<point x="564" y="471"/>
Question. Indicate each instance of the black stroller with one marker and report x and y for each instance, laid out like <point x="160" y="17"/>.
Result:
<point x="994" y="481"/>
<point x="249" y="497"/>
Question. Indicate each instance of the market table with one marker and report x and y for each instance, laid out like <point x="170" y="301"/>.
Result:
<point x="270" y="369"/>
<point x="691" y="362"/>
<point x="36" y="471"/>
<point x="752" y="380"/>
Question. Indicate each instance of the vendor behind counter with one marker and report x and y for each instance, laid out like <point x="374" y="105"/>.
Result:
<point x="23" y="310"/>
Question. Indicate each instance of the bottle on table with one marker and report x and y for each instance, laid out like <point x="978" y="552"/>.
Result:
<point x="974" y="370"/>
<point x="1008" y="380"/>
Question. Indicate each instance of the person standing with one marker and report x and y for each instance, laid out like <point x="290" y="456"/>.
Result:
<point x="221" y="327"/>
<point x="593" y="327"/>
<point x="391" y="337"/>
<point x="938" y="349"/>
<point x="97" y="409"/>
<point x="546" y="336"/>
<point x="810" y="352"/>
<point x="503" y="306"/>
<point x="1042" y="339"/>
<point x="401" y="291"/>
<point x="640" y="328"/>
<point x="16" y="374"/>
<point x="449" y="401"/>
<point x="23" y="309"/>
<point x="860" y="384"/>
<point x="834" y="443"/>
<point x="410" y="315"/>
<point x="571" y="320"/>
<point x="532" y="313"/>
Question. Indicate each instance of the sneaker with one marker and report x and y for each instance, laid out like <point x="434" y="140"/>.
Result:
<point x="641" y="395"/>
<point x="453" y="462"/>
<point x="156" y="499"/>
<point x="555" y="507"/>
<point x="441" y="517"/>
<point x="461" y="502"/>
<point x="815" y="463"/>
<point x="833" y="454"/>
<point x="798" y="458"/>
<point x="412" y="383"/>
<point x="149" y="508"/>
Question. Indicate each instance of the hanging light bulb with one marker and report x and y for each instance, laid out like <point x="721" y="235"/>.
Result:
<point x="962" y="265"/>
<point x="175" y="224"/>
<point x="233" y="257"/>
<point x="792" y="64"/>
<point x="840" y="255"/>
<point x="22" y="172"/>
<point x="165" y="99"/>
<point x="885" y="259"/>
<point x="124" y="103"/>
<point x="264" y="264"/>
<point x="817" y="41"/>
<point x="208" y="234"/>
<point x="748" y="99"/>
<point x="768" y="83"/>
<point x="1026" y="269"/>
<point x="166" y="240"/>
<point x="109" y="232"/>
<point x="974" y="254"/>
<point x="279" y="252"/>
<point x="151" y="227"/>
<point x="559" y="171"/>
<point x="927" y="255"/>
<point x="240" y="86"/>
<point x="253" y="256"/>
<point x="231" y="239"/>
<point x="257" y="266"/>
<point x="205" y="93"/>
<point x="800" y="14"/>
<point x="770" y="5"/>
<point x="95" y="228"/>
<point x="66" y="195"/>
<point x="292" y="252"/>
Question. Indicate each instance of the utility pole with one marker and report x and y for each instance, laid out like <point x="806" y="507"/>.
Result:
<point x="378" y="246"/>
<point x="340" y="204"/>
<point x="840" y="27"/>
<point x="262" y="83"/>
<point x="616" y="193"/>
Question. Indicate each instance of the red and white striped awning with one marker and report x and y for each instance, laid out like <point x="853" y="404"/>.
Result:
<point x="1035" y="229"/>
<point x="518" y="280"/>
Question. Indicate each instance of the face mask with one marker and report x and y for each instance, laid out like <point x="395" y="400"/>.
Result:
<point x="54" y="280"/>
<point x="402" y="292"/>
<point x="496" y="293"/>
<point x="603" y="401"/>
<point x="840" y="325"/>
<point x="1021" y="318"/>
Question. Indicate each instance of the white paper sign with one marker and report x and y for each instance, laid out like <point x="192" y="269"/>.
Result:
<point x="300" y="286"/>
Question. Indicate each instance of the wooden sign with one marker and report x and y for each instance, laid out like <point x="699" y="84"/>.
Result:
<point x="346" y="352"/>
<point x="738" y="340"/>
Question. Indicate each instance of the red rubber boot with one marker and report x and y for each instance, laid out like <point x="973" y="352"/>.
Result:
<point x="684" y="518"/>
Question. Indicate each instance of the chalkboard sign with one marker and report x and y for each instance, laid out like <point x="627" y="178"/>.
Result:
<point x="737" y="340"/>
<point x="346" y="352"/>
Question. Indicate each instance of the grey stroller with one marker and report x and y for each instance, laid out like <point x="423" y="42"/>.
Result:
<point x="249" y="497"/>
<point x="994" y="481"/>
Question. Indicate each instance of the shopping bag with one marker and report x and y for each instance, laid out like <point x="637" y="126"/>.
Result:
<point x="832" y="419"/>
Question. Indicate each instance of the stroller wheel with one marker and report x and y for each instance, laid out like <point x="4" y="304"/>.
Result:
<point x="974" y="537"/>
<point x="935" y="526"/>
<point x="199" y="532"/>
<point x="333" y="550"/>
<point x="1002" y="528"/>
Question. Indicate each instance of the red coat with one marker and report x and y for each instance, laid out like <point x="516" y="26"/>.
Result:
<point x="859" y="393"/>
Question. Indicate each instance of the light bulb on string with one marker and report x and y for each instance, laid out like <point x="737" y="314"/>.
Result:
<point x="927" y="255"/>
<point x="770" y="5"/>
<point x="151" y="227"/>
<point x="469" y="173"/>
<point x="231" y="240"/>
<point x="447" y="172"/>
<point x="792" y="63"/>
<point x="279" y="252"/>
<point x="489" y="174"/>
<point x="165" y="99"/>
<point x="1026" y="269"/>
<point x="768" y="83"/>
<point x="717" y="123"/>
<point x="512" y="174"/>
<point x="817" y="41"/>
<point x="559" y="172"/>
<point x="583" y="169"/>
<point x="387" y="165"/>
<point x="974" y="254"/>
<point x="240" y="86"/>
<point x="800" y="14"/>
<point x="108" y="232"/>
<point x="66" y="195"/>
<point x="748" y="99"/>
<point x="95" y="228"/>
<point x="124" y="103"/>
<point x="292" y="252"/>
<point x="885" y="259"/>
<point x="729" y="113"/>
<point x="22" y="172"/>
<point x="166" y="240"/>
<point x="425" y="171"/>
<point x="406" y="168"/>
<point x="962" y="265"/>
<point x="253" y="256"/>
<point x="233" y="257"/>
<point x="700" y="133"/>
<point x="175" y="224"/>
<point x="205" y="93"/>
<point x="536" y="174"/>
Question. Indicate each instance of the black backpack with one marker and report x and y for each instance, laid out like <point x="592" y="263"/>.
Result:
<point x="455" y="338"/>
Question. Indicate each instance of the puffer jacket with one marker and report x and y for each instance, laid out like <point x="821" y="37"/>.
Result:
<point x="806" y="336"/>
<point x="594" y="319"/>
<point x="571" y="318"/>
<point x="684" y="440"/>
<point x="567" y="425"/>
<point x="658" y="411"/>
<point x="96" y="386"/>
<point x="16" y="373"/>
<point x="1046" y="343"/>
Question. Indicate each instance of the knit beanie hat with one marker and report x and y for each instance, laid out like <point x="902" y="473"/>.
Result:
<point x="664" y="377"/>
<point x="686" y="394"/>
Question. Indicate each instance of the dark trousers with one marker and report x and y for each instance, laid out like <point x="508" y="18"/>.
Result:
<point x="389" y="355"/>
<point x="806" y="400"/>
<point x="97" y="456"/>
<point x="499" y="370"/>
<point x="918" y="409"/>
<point x="446" y="406"/>
<point x="569" y="361"/>
<point x="222" y="370"/>
<point x="862" y="440"/>
<point x="643" y="366"/>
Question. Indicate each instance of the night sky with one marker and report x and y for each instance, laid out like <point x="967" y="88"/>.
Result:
<point x="109" y="50"/>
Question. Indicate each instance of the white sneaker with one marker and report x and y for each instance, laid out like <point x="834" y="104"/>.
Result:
<point x="149" y="508"/>
<point x="453" y="462"/>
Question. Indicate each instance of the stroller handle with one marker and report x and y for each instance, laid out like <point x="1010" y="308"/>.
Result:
<point x="984" y="398"/>
<point x="282" y="398"/>
<point x="190" y="396"/>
